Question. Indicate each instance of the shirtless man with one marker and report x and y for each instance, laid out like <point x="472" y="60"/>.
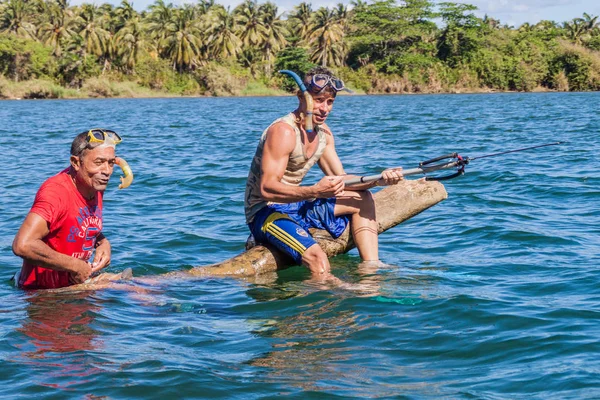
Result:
<point x="279" y="211"/>
<point x="64" y="225"/>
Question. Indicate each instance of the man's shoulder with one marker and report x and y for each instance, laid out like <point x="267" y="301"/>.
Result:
<point x="287" y="121"/>
<point x="325" y="129"/>
<point x="59" y="181"/>
<point x="52" y="197"/>
<point x="57" y="187"/>
<point x="281" y="130"/>
<point x="282" y="126"/>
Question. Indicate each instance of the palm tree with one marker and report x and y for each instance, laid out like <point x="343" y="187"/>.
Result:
<point x="14" y="19"/>
<point x="525" y="27"/>
<point x="275" y="33"/>
<point x="300" y="21"/>
<point x="182" y="42"/>
<point x="58" y="27"/>
<point x="129" y="42"/>
<point x="589" y="22"/>
<point x="111" y="22"/>
<point x="160" y="16"/>
<point x="492" y="23"/>
<point x="251" y="28"/>
<point x="123" y="14"/>
<point x="575" y="29"/>
<point x="341" y="14"/>
<point x="222" y="41"/>
<point x="90" y="29"/>
<point x="205" y="6"/>
<point x="546" y="25"/>
<point x="326" y="38"/>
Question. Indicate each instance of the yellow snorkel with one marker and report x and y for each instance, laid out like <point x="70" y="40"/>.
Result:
<point x="127" y="177"/>
<point x="308" y="121"/>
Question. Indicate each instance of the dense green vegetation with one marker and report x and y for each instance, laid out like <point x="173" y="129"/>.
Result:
<point x="49" y="49"/>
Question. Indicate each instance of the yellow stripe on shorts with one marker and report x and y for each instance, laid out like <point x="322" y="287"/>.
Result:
<point x="280" y="234"/>
<point x="286" y="238"/>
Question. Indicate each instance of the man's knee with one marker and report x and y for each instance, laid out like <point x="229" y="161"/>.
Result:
<point x="366" y="197"/>
<point x="315" y="259"/>
<point x="366" y="204"/>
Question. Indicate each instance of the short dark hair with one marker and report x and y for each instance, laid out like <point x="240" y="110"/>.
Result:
<point x="81" y="144"/>
<point x="315" y="71"/>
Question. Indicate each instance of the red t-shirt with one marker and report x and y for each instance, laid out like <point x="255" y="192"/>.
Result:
<point x="73" y="222"/>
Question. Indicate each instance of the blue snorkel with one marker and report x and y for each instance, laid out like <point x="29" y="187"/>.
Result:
<point x="308" y="121"/>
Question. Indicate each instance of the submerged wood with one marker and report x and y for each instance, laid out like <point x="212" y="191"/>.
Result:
<point x="394" y="204"/>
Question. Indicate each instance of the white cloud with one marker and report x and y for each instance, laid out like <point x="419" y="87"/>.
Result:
<point x="514" y="12"/>
<point x="520" y="7"/>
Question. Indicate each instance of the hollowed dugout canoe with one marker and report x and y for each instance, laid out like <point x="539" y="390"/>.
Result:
<point x="394" y="205"/>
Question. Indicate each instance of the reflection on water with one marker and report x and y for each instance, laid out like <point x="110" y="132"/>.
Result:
<point x="58" y="336"/>
<point x="316" y="341"/>
<point x="487" y="298"/>
<point x="311" y="345"/>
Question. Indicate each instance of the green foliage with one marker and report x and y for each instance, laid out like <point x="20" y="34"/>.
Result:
<point x="463" y="35"/>
<point x="594" y="43"/>
<point x="3" y="87"/>
<point x="22" y="59"/>
<point x="384" y="46"/>
<point x="580" y="66"/>
<point x="217" y="80"/>
<point x="293" y="59"/>
<point x="411" y="63"/>
<point x="458" y="44"/>
<point x="73" y="69"/>
<point x="182" y="84"/>
<point x="459" y="15"/>
<point x="383" y="32"/>
<point x="357" y="80"/>
<point x="154" y="72"/>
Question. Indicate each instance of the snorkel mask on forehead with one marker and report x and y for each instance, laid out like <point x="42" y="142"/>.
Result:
<point x="321" y="81"/>
<point x="97" y="135"/>
<point x="110" y="139"/>
<point x="318" y="82"/>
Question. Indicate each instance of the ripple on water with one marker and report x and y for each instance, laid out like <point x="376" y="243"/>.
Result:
<point x="490" y="294"/>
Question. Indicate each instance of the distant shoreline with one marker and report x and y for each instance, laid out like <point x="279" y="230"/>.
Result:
<point x="46" y="90"/>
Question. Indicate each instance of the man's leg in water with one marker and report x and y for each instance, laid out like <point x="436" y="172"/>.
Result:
<point x="363" y="222"/>
<point x="316" y="260"/>
<point x="288" y="236"/>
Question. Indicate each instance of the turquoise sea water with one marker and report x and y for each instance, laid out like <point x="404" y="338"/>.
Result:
<point x="493" y="293"/>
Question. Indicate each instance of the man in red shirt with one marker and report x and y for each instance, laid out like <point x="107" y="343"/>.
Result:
<point x="64" y="225"/>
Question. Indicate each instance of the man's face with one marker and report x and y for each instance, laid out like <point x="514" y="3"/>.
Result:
<point x="94" y="169"/>
<point x="322" y="105"/>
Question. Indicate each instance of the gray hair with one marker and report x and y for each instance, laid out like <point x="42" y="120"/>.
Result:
<point x="81" y="144"/>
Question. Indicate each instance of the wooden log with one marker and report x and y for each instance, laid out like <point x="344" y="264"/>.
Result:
<point x="394" y="204"/>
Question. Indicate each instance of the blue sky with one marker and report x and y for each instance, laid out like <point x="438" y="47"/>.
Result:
<point x="511" y="12"/>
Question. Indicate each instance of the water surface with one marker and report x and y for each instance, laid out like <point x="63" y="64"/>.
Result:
<point x="492" y="293"/>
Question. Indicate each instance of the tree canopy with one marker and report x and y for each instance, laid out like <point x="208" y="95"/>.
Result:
<point x="389" y="46"/>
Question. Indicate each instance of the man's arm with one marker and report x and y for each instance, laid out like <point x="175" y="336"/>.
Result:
<point x="102" y="255"/>
<point x="279" y="144"/>
<point x="28" y="244"/>
<point x="331" y="164"/>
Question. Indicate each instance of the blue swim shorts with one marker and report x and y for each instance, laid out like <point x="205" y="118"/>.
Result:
<point x="286" y="225"/>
